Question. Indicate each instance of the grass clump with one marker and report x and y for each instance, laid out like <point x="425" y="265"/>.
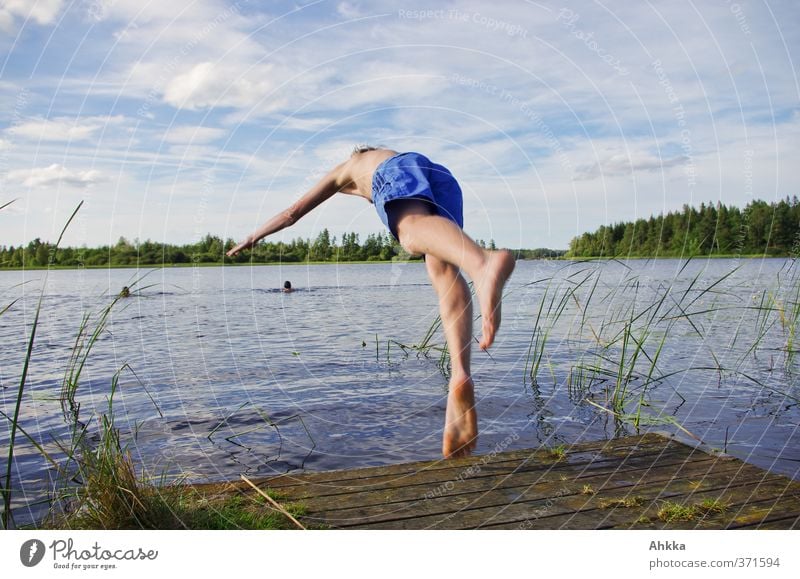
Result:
<point x="712" y="507"/>
<point x="624" y="503"/>
<point x="675" y="512"/>
<point x="111" y="495"/>
<point x="237" y="512"/>
<point x="557" y="453"/>
<point x="178" y="508"/>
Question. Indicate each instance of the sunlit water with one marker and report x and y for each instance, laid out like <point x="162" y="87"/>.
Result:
<point x="223" y="374"/>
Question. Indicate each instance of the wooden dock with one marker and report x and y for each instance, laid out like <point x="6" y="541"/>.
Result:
<point x="638" y="482"/>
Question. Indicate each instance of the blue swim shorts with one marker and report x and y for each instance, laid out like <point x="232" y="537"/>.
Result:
<point x="414" y="176"/>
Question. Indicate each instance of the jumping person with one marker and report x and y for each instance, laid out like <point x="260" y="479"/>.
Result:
<point x="420" y="203"/>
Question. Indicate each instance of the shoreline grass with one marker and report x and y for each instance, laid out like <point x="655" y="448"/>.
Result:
<point x="116" y="498"/>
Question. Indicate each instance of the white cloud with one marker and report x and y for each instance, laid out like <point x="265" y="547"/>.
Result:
<point x="62" y="128"/>
<point x="149" y="11"/>
<point x="311" y="125"/>
<point x="379" y="81"/>
<point x="6" y="21"/>
<point x="193" y="153"/>
<point x="191" y="134"/>
<point x="348" y="10"/>
<point x="55" y="174"/>
<point x="194" y="54"/>
<point x="217" y="85"/>
<point x="41" y="11"/>
<point x="619" y="163"/>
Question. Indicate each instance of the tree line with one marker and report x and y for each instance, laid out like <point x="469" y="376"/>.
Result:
<point x="760" y="228"/>
<point x="210" y="249"/>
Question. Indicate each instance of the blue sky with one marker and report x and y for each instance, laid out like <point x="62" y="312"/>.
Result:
<point x="174" y="119"/>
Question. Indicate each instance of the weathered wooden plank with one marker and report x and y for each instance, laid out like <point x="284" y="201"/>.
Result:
<point x="439" y="478"/>
<point x="607" y="447"/>
<point x="503" y="505"/>
<point x="484" y="480"/>
<point x="427" y="484"/>
<point x="574" y="512"/>
<point x="532" y="489"/>
<point x="721" y="486"/>
<point x="780" y="511"/>
<point x="784" y="522"/>
<point x="743" y="505"/>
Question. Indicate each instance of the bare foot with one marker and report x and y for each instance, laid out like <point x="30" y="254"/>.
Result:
<point x="461" y="420"/>
<point x="489" y="288"/>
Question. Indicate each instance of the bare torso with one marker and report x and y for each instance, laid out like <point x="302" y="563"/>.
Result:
<point x="356" y="173"/>
<point x="353" y="177"/>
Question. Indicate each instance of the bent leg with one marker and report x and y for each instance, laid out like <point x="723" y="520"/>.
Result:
<point x="455" y="306"/>
<point x="422" y="232"/>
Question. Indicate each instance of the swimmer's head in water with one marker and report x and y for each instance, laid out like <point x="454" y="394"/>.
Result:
<point x="287" y="285"/>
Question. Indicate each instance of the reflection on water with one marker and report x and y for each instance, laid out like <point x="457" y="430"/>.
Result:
<point x="232" y="375"/>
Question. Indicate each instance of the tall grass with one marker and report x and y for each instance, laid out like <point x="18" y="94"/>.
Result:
<point x="97" y="480"/>
<point x="619" y="335"/>
<point x="789" y="313"/>
<point x="7" y="489"/>
<point x="102" y="489"/>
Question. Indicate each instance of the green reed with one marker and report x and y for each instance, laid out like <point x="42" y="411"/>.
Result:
<point x="544" y="324"/>
<point x="619" y="334"/>
<point x="97" y="479"/>
<point x="790" y="317"/>
<point x="14" y="419"/>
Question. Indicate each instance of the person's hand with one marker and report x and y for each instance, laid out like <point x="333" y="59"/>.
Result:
<point x="246" y="244"/>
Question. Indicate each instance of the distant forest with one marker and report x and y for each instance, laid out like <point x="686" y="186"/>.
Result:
<point x="760" y="228"/>
<point x="211" y="250"/>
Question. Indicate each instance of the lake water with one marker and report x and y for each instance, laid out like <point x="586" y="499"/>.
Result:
<point x="226" y="375"/>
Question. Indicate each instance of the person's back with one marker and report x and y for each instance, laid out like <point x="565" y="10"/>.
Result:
<point x="358" y="171"/>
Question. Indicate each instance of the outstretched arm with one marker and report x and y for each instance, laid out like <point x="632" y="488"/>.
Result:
<point x="328" y="186"/>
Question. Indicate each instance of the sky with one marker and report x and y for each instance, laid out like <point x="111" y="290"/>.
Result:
<point x="170" y="120"/>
